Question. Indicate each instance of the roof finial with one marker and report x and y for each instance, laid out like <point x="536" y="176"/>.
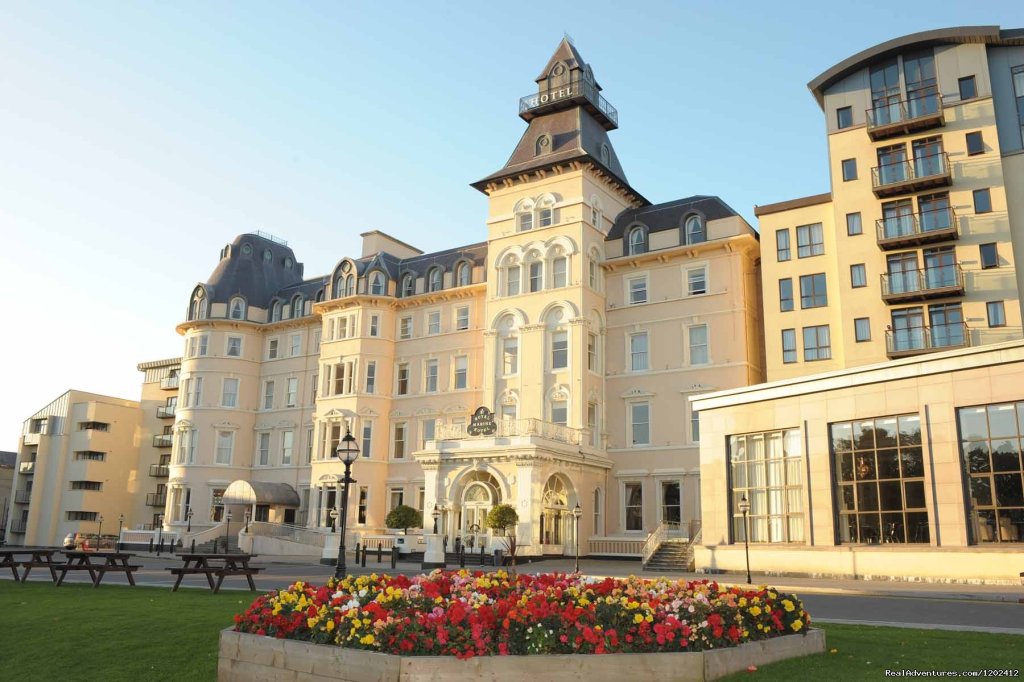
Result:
<point x="565" y="34"/>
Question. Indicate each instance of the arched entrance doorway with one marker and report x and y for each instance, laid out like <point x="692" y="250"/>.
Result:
<point x="557" y="524"/>
<point x="479" y="495"/>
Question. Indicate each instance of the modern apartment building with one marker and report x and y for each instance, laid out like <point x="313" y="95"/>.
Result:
<point x="583" y="319"/>
<point x="914" y="248"/>
<point x="887" y="442"/>
<point x="7" y="466"/>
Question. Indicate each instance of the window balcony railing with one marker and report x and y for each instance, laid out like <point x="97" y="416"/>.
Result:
<point x="165" y="411"/>
<point x="159" y="470"/>
<point x="578" y="92"/>
<point x="27" y="468"/>
<point x="156" y="499"/>
<point x="163" y="440"/>
<point x="916" y="228"/>
<point x="916" y="285"/>
<point x="169" y="383"/>
<point x="19" y="526"/>
<point x="505" y="428"/>
<point x="22" y="496"/>
<point x="926" y="339"/>
<point x="902" y="117"/>
<point x="903" y="177"/>
<point x="31" y="438"/>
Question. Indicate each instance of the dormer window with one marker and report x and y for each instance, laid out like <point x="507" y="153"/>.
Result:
<point x="543" y="144"/>
<point x="236" y="308"/>
<point x="339" y="287"/>
<point x="463" y="274"/>
<point x="297" y="307"/>
<point x="198" y="309"/>
<point x="434" y="280"/>
<point x="695" y="232"/>
<point x="246" y="250"/>
<point x="275" y="312"/>
<point x="350" y="285"/>
<point x="377" y="284"/>
<point x="637" y="240"/>
<point x="605" y="154"/>
<point x="408" y="285"/>
<point x="287" y="263"/>
<point x="267" y="256"/>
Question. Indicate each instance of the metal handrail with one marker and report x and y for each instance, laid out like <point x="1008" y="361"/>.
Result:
<point x="22" y="496"/>
<point x="928" y="337"/>
<point x="657" y="537"/>
<point x="18" y="526"/>
<point x="169" y="382"/>
<point x="159" y="470"/>
<point x="574" y="89"/>
<point x="904" y="110"/>
<point x="26" y="467"/>
<point x="924" y="279"/>
<point x="164" y="411"/>
<point x="201" y="536"/>
<point x="156" y="499"/>
<point x="315" y="537"/>
<point x="163" y="440"/>
<point x="915" y="224"/>
<point x="888" y="174"/>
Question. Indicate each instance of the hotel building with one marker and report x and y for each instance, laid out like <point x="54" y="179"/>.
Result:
<point x="886" y="442"/>
<point x="583" y="318"/>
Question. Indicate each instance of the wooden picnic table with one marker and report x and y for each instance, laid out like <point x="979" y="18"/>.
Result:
<point x="116" y="562"/>
<point x="41" y="557"/>
<point x="210" y="565"/>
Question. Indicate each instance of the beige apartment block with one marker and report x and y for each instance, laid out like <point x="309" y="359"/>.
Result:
<point x="7" y="468"/>
<point x="913" y="250"/>
<point x="77" y="462"/>
<point x="583" y="319"/>
<point x="158" y="407"/>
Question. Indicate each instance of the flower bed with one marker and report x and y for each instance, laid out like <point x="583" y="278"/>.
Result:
<point x="466" y="614"/>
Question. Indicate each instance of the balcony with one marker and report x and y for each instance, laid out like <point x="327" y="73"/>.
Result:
<point x="913" y="229"/>
<point x="156" y="499"/>
<point x="19" y="526"/>
<point x="582" y="92"/>
<point x="165" y="411"/>
<point x="919" y="285"/>
<point x="169" y="383"/>
<point x="27" y="468"/>
<point x="905" y="116"/>
<point x="31" y="438"/>
<point x="159" y="470"/>
<point x="506" y="428"/>
<point x="901" y="343"/>
<point x="163" y="440"/>
<point x="904" y="177"/>
<point x="22" y="496"/>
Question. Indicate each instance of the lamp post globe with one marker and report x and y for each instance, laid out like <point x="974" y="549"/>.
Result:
<point x="744" y="507"/>
<point x="577" y="512"/>
<point x="347" y="452"/>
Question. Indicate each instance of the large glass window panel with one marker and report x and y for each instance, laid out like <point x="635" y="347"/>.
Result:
<point x="765" y="468"/>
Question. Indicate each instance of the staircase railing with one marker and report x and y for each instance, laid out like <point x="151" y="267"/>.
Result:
<point x="201" y="536"/>
<point x="315" y="537"/>
<point x="664" y="530"/>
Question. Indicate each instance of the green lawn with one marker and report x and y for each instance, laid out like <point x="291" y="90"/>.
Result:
<point x="117" y="633"/>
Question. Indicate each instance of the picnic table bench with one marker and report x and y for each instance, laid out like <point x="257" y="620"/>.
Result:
<point x="40" y="557"/>
<point x="219" y="565"/>
<point x="116" y="562"/>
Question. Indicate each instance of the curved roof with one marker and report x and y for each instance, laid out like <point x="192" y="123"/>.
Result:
<point x="259" y="492"/>
<point x="251" y="274"/>
<point x="989" y="35"/>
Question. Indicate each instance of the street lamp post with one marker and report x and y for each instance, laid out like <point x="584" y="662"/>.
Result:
<point x="437" y="515"/>
<point x="120" y="525"/>
<point x="227" y="533"/>
<point x="99" y="531"/>
<point x="159" y="532"/>
<point x="188" y="516"/>
<point x="347" y="452"/>
<point x="334" y="520"/>
<point x="577" y="512"/>
<point x="248" y="515"/>
<point x="745" y="508"/>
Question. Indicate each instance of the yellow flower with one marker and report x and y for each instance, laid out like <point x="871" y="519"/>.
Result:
<point x="755" y="611"/>
<point x="368" y="639"/>
<point x="311" y="622"/>
<point x="638" y="618"/>
<point x="788" y="605"/>
<point x="330" y="626"/>
<point x="743" y="601"/>
<point x="797" y="624"/>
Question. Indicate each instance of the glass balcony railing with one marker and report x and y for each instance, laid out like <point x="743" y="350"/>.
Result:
<point x="169" y="383"/>
<point x="569" y="93"/>
<point x="156" y="499"/>
<point x="159" y="470"/>
<point x="926" y="339"/>
<point x="899" y="117"/>
<point x="945" y="280"/>
<point x="916" y="228"/>
<point x="19" y="526"/>
<point x="22" y="496"/>
<point x="163" y="440"/>
<point x="911" y="175"/>
<point x="27" y="468"/>
<point x="165" y="411"/>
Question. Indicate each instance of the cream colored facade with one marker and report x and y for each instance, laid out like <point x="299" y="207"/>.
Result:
<point x="896" y="453"/>
<point x="910" y="256"/>
<point x="587" y="380"/>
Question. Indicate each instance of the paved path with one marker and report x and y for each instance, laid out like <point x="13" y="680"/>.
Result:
<point x="989" y="608"/>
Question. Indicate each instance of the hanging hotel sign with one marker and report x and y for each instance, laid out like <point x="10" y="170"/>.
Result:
<point x="482" y="423"/>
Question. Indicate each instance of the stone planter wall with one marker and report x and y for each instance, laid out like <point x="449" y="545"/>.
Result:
<point x="264" y="659"/>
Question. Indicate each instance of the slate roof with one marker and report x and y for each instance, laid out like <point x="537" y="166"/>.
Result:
<point x="669" y="215"/>
<point x="251" y="275"/>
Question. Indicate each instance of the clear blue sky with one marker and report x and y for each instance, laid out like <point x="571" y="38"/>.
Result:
<point x="137" y="139"/>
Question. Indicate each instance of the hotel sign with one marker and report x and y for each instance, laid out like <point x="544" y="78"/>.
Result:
<point x="549" y="96"/>
<point x="482" y="423"/>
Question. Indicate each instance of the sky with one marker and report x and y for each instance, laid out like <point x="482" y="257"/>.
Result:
<point x="137" y="139"/>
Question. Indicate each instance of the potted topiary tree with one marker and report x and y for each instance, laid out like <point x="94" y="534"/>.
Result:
<point x="504" y="517"/>
<point x="404" y="517"/>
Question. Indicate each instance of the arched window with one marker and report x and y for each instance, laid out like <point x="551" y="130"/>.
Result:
<point x="339" y="287"/>
<point x="275" y="311"/>
<point x="594" y="270"/>
<point x="198" y="308"/>
<point x="463" y="274"/>
<point x="598" y="509"/>
<point x="236" y="309"/>
<point x="637" y="240"/>
<point x="546" y="212"/>
<point x="511" y="274"/>
<point x="350" y="285"/>
<point x="695" y="233"/>
<point x="267" y="256"/>
<point x="319" y="295"/>
<point x="524" y="219"/>
<point x="606" y="154"/>
<point x="534" y="272"/>
<point x="377" y="284"/>
<point x="543" y="145"/>
<point x="408" y="285"/>
<point x="297" y="307"/>
<point x="559" y="269"/>
<point x="434" y="279"/>
<point x="595" y="212"/>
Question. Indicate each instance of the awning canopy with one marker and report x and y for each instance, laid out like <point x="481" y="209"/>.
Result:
<point x="257" y="492"/>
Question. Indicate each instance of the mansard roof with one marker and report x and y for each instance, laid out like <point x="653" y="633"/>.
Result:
<point x="669" y="215"/>
<point x="246" y="270"/>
